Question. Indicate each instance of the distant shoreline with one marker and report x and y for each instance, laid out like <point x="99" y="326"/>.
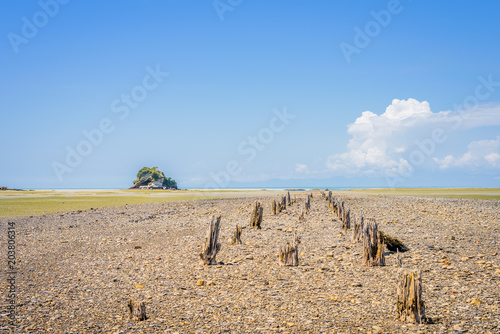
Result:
<point x="39" y="202"/>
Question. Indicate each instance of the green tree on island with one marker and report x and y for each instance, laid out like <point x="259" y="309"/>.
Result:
<point x="153" y="178"/>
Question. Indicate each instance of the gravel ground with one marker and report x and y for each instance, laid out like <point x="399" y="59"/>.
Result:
<point x="76" y="271"/>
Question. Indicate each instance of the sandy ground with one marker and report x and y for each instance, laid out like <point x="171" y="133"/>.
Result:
<point x="76" y="271"/>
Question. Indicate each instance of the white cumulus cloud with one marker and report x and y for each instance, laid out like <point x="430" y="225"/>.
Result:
<point x="388" y="143"/>
<point x="481" y="153"/>
<point x="379" y="141"/>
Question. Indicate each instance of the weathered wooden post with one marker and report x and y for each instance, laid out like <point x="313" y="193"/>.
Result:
<point x="236" y="236"/>
<point x="288" y="199"/>
<point x="356" y="232"/>
<point x="409" y="304"/>
<point x="257" y="213"/>
<point x="399" y="261"/>
<point x="211" y="247"/>
<point x="301" y="217"/>
<point x="340" y="210"/>
<point x="380" y="257"/>
<point x="373" y="249"/>
<point x="289" y="254"/>
<point x="282" y="204"/>
<point x="358" y="229"/>
<point x="308" y="204"/>
<point x="346" y="220"/>
<point x="273" y="207"/>
<point x="137" y="311"/>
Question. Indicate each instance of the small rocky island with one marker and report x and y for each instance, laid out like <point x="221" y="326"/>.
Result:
<point x="153" y="178"/>
<point x="11" y="189"/>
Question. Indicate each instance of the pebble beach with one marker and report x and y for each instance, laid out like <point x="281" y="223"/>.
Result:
<point x="76" y="271"/>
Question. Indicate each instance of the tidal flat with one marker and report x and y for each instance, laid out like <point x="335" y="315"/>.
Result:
<point x="77" y="269"/>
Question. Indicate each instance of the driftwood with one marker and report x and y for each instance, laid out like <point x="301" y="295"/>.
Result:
<point x="409" y="304"/>
<point x="211" y="247"/>
<point x="393" y="244"/>
<point x="373" y="249"/>
<point x="137" y="310"/>
<point x="289" y="254"/>
<point x="236" y="236"/>
<point x="257" y="213"/>
<point x="273" y="207"/>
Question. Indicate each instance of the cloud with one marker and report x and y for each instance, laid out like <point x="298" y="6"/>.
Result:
<point x="378" y="143"/>
<point x="481" y="153"/>
<point x="389" y="143"/>
<point x="301" y="168"/>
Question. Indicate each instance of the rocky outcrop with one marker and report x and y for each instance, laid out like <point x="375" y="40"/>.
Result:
<point x="5" y="188"/>
<point x="152" y="178"/>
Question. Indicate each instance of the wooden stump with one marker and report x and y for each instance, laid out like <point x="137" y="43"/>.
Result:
<point x="289" y="254"/>
<point x="380" y="257"/>
<point x="393" y="244"/>
<point x="257" y="213"/>
<point x="273" y="207"/>
<point x="308" y="204"/>
<point x="211" y="247"/>
<point x="336" y="207"/>
<point x="358" y="229"/>
<point x="373" y="249"/>
<point x="356" y="232"/>
<point x="301" y="217"/>
<point x="288" y="199"/>
<point x="409" y="304"/>
<point x="346" y="220"/>
<point x="281" y="204"/>
<point x="137" y="310"/>
<point x="236" y="236"/>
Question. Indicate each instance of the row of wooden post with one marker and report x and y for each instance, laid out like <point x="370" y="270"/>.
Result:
<point x="409" y="303"/>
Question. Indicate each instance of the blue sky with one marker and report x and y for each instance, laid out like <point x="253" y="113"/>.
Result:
<point x="250" y="93"/>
